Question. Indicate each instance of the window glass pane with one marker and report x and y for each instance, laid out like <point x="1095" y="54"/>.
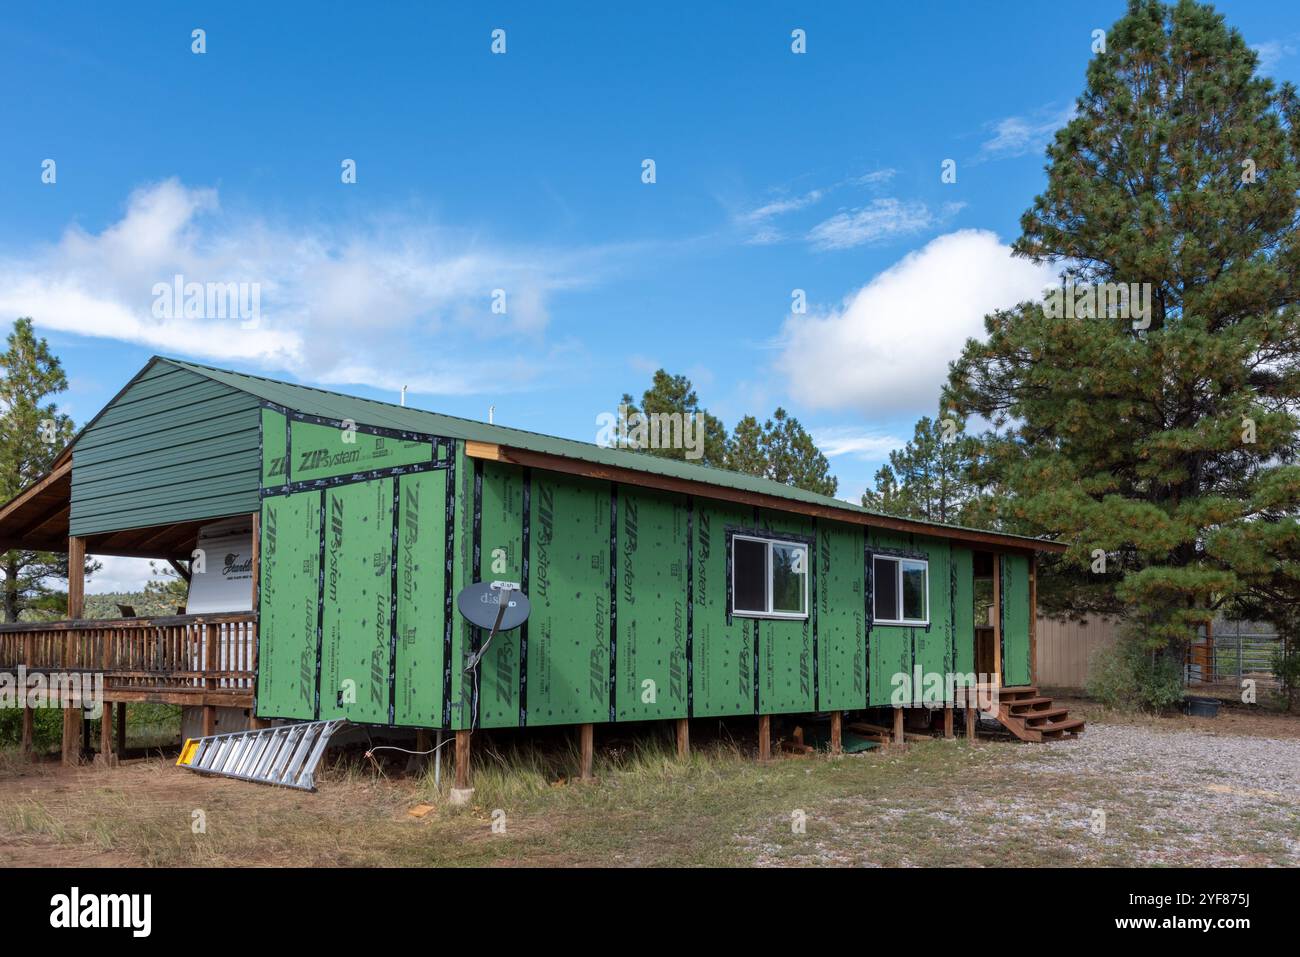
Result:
<point x="884" y="588"/>
<point x="749" y="562"/>
<point x="789" y="571"/>
<point x="914" y="591"/>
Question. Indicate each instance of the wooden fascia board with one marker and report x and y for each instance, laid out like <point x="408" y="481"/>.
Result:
<point x="557" y="463"/>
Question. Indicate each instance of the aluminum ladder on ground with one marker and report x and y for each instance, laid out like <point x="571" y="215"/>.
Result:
<point x="286" y="755"/>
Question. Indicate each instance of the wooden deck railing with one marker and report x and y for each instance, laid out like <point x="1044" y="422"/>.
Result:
<point x="179" y="659"/>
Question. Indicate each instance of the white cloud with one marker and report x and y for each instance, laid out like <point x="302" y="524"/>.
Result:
<point x="880" y="220"/>
<point x="759" y="221"/>
<point x="867" y="446"/>
<point x="367" y="305"/>
<point x="1021" y="135"/>
<point x="1272" y="52"/>
<point x="887" y="347"/>
<point x="120" y="574"/>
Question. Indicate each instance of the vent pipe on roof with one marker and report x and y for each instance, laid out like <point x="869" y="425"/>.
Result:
<point x="491" y="413"/>
<point x="403" y="395"/>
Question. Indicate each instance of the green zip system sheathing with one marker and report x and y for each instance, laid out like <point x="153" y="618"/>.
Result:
<point x="289" y="600"/>
<point x="841" y="617"/>
<point x="1016" y="666"/>
<point x="355" y="622"/>
<point x="722" y="645"/>
<point x="569" y="655"/>
<point x="629" y="588"/>
<point x="421" y="599"/>
<point x="650" y="603"/>
<point x="501" y="558"/>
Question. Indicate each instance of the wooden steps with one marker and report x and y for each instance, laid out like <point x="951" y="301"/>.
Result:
<point x="1031" y="717"/>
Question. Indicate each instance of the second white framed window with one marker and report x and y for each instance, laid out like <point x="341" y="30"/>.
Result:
<point x="900" y="590"/>
<point x="769" y="577"/>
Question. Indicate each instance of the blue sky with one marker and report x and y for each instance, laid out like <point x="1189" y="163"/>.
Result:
<point x="775" y="171"/>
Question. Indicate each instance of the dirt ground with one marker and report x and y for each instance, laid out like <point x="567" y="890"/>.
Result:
<point x="1131" y="791"/>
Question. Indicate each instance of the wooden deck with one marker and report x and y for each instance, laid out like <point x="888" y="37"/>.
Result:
<point x="200" y="660"/>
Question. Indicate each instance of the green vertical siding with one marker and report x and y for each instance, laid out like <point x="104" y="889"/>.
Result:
<point x="785" y="646"/>
<point x="723" y="647"/>
<point x="290" y="553"/>
<point x="421" y="588"/>
<point x="356" y="631"/>
<point x="502" y="560"/>
<point x="1016" y="667"/>
<point x="651" y="605"/>
<point x="841" y="617"/>
<point x="890" y="646"/>
<point x="934" y="644"/>
<point x="274" y="447"/>
<point x="174" y="446"/>
<point x="963" y="609"/>
<point x="568" y="631"/>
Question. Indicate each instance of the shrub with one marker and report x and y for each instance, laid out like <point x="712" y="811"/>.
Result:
<point x="1130" y="675"/>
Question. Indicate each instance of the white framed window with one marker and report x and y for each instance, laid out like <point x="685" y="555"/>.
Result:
<point x="769" y="577"/>
<point x="900" y="590"/>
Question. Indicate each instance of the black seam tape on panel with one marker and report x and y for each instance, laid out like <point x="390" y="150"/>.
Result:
<point x="392" y="606"/>
<point x="868" y="611"/>
<point x="1002" y="619"/>
<point x="523" y="584"/>
<point x="690" y="606"/>
<point x="613" y="601"/>
<point x="758" y="675"/>
<point x="405" y="435"/>
<point x="320" y="594"/>
<point x="449" y="555"/>
<point x="476" y="558"/>
<point x="814" y="610"/>
<point x="952" y="614"/>
<point x="288" y="450"/>
<point x="311" y="485"/>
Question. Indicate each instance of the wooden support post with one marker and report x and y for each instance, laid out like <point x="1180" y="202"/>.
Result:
<point x="837" y="732"/>
<point x="462" y="760"/>
<point x="898" y="726"/>
<point x="765" y="737"/>
<point x="121" y="728"/>
<point x="106" y="736"/>
<point x="76" y="578"/>
<point x="972" y="717"/>
<point x="29" y="655"/>
<point x="683" y="738"/>
<point x="72" y="720"/>
<point x="947" y="722"/>
<point x="73" y="717"/>
<point x="587" y="749"/>
<point x="26" y="745"/>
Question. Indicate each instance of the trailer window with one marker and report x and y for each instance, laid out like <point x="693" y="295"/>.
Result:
<point x="900" y="591"/>
<point x="769" y="578"/>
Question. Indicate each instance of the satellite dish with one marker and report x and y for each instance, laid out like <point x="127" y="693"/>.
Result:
<point x="498" y="606"/>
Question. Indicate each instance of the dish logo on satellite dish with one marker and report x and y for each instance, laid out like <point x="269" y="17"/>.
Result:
<point x="493" y="597"/>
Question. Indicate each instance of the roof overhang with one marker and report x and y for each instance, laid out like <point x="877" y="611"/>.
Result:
<point x="36" y="519"/>
<point x="558" y="463"/>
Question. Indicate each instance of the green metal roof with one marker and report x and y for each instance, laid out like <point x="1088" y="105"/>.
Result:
<point x="334" y="405"/>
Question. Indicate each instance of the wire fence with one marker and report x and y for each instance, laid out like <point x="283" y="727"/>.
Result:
<point x="1233" y="655"/>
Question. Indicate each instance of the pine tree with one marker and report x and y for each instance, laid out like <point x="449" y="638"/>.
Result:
<point x="1162" y="447"/>
<point x="32" y="434"/>
<point x="782" y="450"/>
<point x="929" y="478"/>
<point x="675" y="394"/>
